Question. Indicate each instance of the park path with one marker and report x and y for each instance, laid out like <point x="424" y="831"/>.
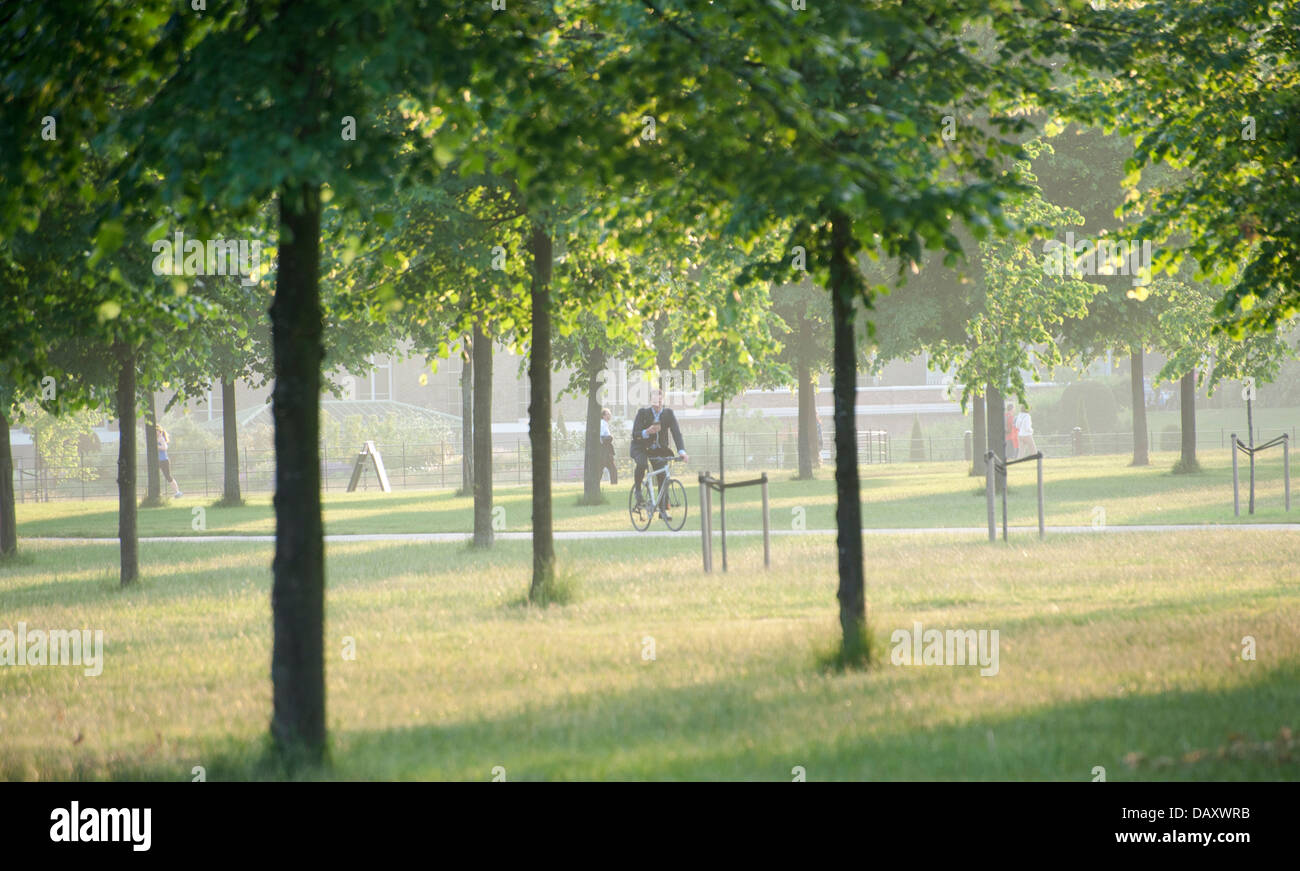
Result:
<point x="570" y="535"/>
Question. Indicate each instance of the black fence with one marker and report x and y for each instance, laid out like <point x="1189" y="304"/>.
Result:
<point x="438" y="465"/>
<point x="1071" y="444"/>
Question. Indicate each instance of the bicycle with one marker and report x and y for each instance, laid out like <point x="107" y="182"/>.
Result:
<point x="669" y="498"/>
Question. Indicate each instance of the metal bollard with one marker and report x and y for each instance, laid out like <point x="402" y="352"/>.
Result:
<point x="1042" y="526"/>
<point x="706" y="537"/>
<point x="1286" y="468"/>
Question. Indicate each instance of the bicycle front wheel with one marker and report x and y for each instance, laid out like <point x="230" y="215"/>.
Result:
<point x="640" y="514"/>
<point x="675" y="501"/>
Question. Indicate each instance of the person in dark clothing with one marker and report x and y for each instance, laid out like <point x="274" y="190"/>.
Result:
<point x="607" y="446"/>
<point x="649" y="439"/>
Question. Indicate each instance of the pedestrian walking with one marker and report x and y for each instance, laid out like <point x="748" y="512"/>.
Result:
<point x="164" y="464"/>
<point x="1024" y="427"/>
<point x="607" y="446"/>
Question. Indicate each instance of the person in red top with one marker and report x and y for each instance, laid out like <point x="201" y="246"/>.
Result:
<point x="1013" y="438"/>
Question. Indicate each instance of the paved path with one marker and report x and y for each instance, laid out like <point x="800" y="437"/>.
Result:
<point x="567" y="535"/>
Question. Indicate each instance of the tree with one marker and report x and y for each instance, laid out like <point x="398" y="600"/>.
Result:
<point x="1021" y="306"/>
<point x="989" y="327"/>
<point x="153" y="493"/>
<point x="466" y="417"/>
<point x="1207" y="88"/>
<point x="539" y="411"/>
<point x="552" y="142"/>
<point x="1199" y="354"/>
<point x="241" y="351"/>
<point x="620" y="291"/>
<point x="1085" y="169"/>
<point x="917" y="449"/>
<point x="447" y="256"/>
<point x="1120" y="322"/>
<point x="105" y="321"/>
<point x="80" y="72"/>
<point x="298" y="73"/>
<point x="805" y="312"/>
<point x="20" y="327"/>
<point x="811" y="127"/>
<point x="482" y="351"/>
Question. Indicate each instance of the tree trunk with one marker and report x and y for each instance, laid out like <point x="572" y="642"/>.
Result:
<point x="1187" y="410"/>
<point x="8" y="517"/>
<point x="722" y="449"/>
<point x="663" y="344"/>
<point x="153" y="494"/>
<point x="979" y="436"/>
<point x="848" y="509"/>
<point x="808" y="447"/>
<point x="467" y="418"/>
<point x="593" y="458"/>
<point x="1138" y="386"/>
<point x="995" y="417"/>
<point x="298" y="590"/>
<point x="722" y="477"/>
<point x="230" y="443"/>
<point x="127" y="530"/>
<point x="539" y="413"/>
<point x="482" y="435"/>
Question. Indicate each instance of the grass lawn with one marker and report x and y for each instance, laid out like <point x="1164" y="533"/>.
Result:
<point x="1118" y="651"/>
<point x="893" y="496"/>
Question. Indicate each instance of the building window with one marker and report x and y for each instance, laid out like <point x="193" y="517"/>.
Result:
<point x="378" y="384"/>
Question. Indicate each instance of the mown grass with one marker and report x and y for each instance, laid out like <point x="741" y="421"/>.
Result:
<point x="895" y="496"/>
<point x="1118" y="651"/>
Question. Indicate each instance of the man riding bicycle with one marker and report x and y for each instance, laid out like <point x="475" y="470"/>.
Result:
<point x="649" y="444"/>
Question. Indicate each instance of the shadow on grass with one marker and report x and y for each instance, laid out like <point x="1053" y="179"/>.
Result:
<point x="348" y="565"/>
<point x="722" y="731"/>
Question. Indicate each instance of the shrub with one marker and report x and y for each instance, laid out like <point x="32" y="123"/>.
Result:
<point x="1122" y="391"/>
<point x="1091" y="406"/>
<point x="917" y="453"/>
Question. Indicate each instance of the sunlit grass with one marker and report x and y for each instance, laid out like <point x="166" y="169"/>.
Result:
<point x="894" y="496"/>
<point x="1122" y="651"/>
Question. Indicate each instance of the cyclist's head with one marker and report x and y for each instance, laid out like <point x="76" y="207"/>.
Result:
<point x="656" y="399"/>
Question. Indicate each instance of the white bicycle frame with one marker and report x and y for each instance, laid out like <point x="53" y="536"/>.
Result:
<point x="666" y="474"/>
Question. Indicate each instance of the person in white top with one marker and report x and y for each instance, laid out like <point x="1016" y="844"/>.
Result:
<point x="607" y="446"/>
<point x="1025" y="430"/>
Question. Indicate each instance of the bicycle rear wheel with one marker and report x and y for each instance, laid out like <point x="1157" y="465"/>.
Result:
<point x="674" y="500"/>
<point x="641" y="515"/>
